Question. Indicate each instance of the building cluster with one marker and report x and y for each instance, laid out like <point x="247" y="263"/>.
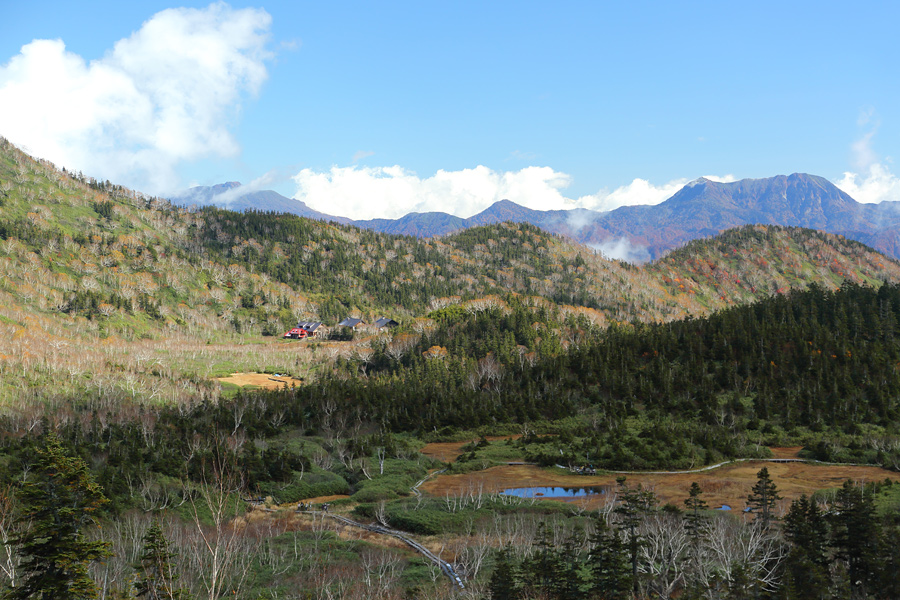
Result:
<point x="316" y="329"/>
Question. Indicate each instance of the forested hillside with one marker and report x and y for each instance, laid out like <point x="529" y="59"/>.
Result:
<point x="160" y="299"/>
<point x="755" y="261"/>
<point x="814" y="367"/>
<point x="789" y="367"/>
<point x="354" y="269"/>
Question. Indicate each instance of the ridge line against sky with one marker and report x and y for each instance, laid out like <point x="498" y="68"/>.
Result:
<point x="377" y="111"/>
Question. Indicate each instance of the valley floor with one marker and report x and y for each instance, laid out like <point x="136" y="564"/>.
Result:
<point x="728" y="485"/>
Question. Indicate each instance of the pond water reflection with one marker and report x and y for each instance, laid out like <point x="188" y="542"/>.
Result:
<point x="555" y="492"/>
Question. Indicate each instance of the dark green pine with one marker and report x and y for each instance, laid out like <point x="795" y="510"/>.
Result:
<point x="59" y="501"/>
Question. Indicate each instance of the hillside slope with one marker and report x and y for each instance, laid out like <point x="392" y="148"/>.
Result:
<point x="751" y="262"/>
<point x="105" y="289"/>
<point x="100" y="290"/>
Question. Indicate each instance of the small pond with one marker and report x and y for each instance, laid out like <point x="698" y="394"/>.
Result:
<point x="726" y="507"/>
<point x="555" y="492"/>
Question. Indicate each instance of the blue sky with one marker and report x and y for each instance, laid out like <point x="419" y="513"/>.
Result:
<point x="374" y="109"/>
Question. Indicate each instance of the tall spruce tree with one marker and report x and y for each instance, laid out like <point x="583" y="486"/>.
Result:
<point x="694" y="521"/>
<point x="570" y="582"/>
<point x="156" y="577"/>
<point x="763" y="498"/>
<point x="634" y="504"/>
<point x="59" y="501"/>
<point x="806" y="566"/>
<point x="503" y="585"/>
<point x="541" y="571"/>
<point x="693" y="518"/>
<point x="857" y="537"/>
<point x="608" y="560"/>
<point x="805" y="528"/>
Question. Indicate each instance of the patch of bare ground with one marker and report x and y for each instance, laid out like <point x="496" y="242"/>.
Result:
<point x="792" y="452"/>
<point x="450" y="451"/>
<point x="261" y="380"/>
<point x="727" y="485"/>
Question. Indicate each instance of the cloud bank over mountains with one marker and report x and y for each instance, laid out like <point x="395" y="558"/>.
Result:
<point x="877" y="185"/>
<point x="165" y="95"/>
<point x="361" y="192"/>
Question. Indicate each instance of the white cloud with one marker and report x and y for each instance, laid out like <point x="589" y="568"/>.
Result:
<point x="361" y="192"/>
<point x="369" y="192"/>
<point x="873" y="182"/>
<point x="622" y="249"/>
<point x="877" y="185"/>
<point x="579" y="219"/>
<point x="164" y="95"/>
<point x="235" y="193"/>
<point x="641" y="191"/>
<point x="863" y="154"/>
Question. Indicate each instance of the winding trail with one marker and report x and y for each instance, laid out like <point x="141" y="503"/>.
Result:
<point x="735" y="461"/>
<point x="445" y="567"/>
<point x="415" y="488"/>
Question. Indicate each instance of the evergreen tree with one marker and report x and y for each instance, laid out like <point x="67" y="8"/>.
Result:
<point x="609" y="564"/>
<point x="857" y="537"/>
<point x="763" y="498"/>
<point x="503" y="584"/>
<point x="693" y="524"/>
<point x="569" y="584"/>
<point x="693" y="518"/>
<point x="541" y="571"/>
<point x="634" y="504"/>
<point x="806" y="566"/>
<point x="889" y="585"/>
<point x="156" y="578"/>
<point x="806" y="529"/>
<point x="59" y="501"/>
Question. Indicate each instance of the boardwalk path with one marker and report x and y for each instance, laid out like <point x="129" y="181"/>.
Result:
<point x="738" y="460"/>
<point x="445" y="567"/>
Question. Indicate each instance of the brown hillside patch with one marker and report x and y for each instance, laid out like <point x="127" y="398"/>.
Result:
<point x="261" y="380"/>
<point x="792" y="452"/>
<point x="727" y="485"/>
<point x="450" y="451"/>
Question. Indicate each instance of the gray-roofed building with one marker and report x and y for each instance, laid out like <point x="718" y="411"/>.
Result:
<point x="386" y="322"/>
<point x="351" y="322"/>
<point x="312" y="328"/>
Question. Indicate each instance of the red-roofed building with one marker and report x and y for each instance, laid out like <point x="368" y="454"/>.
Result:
<point x="296" y="334"/>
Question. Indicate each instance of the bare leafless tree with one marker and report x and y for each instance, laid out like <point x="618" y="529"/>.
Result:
<point x="220" y="551"/>
<point x="10" y="527"/>
<point x="730" y="543"/>
<point x="663" y="553"/>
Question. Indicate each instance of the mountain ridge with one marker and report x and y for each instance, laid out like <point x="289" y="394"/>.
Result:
<point x="702" y="208"/>
<point x="231" y="196"/>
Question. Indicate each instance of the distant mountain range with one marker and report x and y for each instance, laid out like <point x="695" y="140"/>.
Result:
<point x="700" y="209"/>
<point x="233" y="196"/>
